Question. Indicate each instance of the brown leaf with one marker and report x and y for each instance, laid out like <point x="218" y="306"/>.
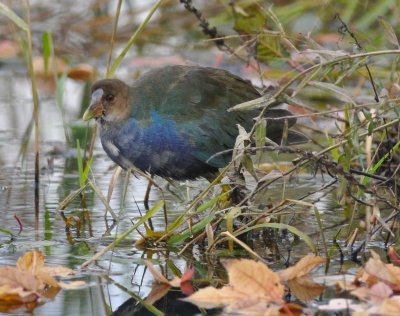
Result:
<point x="390" y="306"/>
<point x="376" y="294"/>
<point x="254" y="279"/>
<point x="384" y="272"/>
<point x="71" y="285"/>
<point x="211" y="297"/>
<point x="158" y="291"/>
<point x="31" y="261"/>
<point x="304" y="288"/>
<point x="14" y="278"/>
<point x="158" y="277"/>
<point x="301" y="268"/>
<point x="253" y="306"/>
<point x="57" y="271"/>
<point x="253" y="289"/>
<point x="183" y="282"/>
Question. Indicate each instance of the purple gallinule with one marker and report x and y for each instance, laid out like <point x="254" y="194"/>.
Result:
<point x="173" y="119"/>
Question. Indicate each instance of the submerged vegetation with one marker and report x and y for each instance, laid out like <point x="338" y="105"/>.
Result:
<point x="335" y="66"/>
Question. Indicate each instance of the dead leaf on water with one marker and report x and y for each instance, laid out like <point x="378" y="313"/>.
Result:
<point x="253" y="289"/>
<point x="183" y="282"/>
<point x="29" y="280"/>
<point x="301" y="268"/>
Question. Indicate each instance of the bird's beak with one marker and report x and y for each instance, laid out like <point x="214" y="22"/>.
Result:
<point x="95" y="108"/>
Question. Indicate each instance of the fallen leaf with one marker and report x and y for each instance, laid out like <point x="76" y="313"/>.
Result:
<point x="158" y="291"/>
<point x="183" y="282"/>
<point x="175" y="282"/>
<point x="305" y="289"/>
<point x="31" y="261"/>
<point x="384" y="272"/>
<point x="71" y="285"/>
<point x="254" y="278"/>
<point x="390" y="306"/>
<point x="253" y="289"/>
<point x="30" y="279"/>
<point x="211" y="297"/>
<point x="158" y="277"/>
<point x="14" y="278"/>
<point x="301" y="268"/>
<point x="375" y="294"/>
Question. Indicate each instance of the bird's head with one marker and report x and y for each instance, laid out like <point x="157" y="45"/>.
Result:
<point x="109" y="101"/>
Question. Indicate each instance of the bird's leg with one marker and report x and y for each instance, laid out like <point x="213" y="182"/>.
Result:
<point x="146" y="201"/>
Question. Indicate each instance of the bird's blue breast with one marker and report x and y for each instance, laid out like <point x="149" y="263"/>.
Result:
<point x="159" y="148"/>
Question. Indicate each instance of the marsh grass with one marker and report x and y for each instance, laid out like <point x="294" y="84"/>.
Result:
<point x="355" y="155"/>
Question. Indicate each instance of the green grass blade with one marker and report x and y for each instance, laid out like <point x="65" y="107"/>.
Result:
<point x="132" y="40"/>
<point x="178" y="239"/>
<point x="5" y="231"/>
<point x="80" y="164"/>
<point x="380" y="162"/>
<point x="47" y="43"/>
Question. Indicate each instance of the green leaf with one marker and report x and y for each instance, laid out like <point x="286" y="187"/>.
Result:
<point x="211" y="202"/>
<point x="178" y="239"/>
<point x="380" y="162"/>
<point x="232" y="214"/>
<point x="13" y="17"/>
<point x="132" y="40"/>
<point x="259" y="133"/>
<point x="250" y="19"/>
<point x="80" y="164"/>
<point x="47" y="43"/>
<point x="5" y="231"/>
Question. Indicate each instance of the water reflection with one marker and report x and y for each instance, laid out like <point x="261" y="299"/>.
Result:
<point x="71" y="236"/>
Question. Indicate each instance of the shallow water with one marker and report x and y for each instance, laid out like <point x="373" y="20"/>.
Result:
<point x="121" y="274"/>
<point x="59" y="176"/>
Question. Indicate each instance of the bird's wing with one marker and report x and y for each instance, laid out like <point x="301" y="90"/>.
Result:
<point x="196" y="99"/>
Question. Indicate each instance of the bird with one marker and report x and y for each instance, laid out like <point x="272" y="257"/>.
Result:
<point x="173" y="120"/>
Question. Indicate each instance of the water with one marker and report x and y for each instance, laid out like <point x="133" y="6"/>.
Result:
<point x="116" y="276"/>
<point x="112" y="278"/>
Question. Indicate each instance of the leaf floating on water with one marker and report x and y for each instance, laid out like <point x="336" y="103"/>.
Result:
<point x="302" y="268"/>
<point x="30" y="279"/>
<point x="184" y="282"/>
<point x="253" y="289"/>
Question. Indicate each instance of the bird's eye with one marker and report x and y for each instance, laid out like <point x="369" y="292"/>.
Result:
<point x="109" y="97"/>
